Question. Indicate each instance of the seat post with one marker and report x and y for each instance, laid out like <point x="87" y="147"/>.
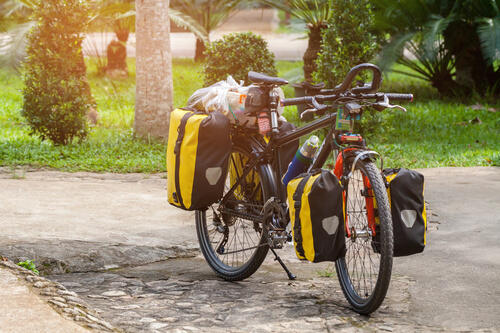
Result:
<point x="273" y="107"/>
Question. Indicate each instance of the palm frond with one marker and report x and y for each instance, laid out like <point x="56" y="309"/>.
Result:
<point x="314" y="12"/>
<point x="13" y="45"/>
<point x="393" y="51"/>
<point x="489" y="34"/>
<point x="433" y="31"/>
<point x="187" y="22"/>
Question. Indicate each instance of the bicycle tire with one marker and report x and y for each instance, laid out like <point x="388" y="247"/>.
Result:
<point x="354" y="271"/>
<point x="252" y="261"/>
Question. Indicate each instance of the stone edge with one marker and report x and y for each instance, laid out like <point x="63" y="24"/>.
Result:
<point x="63" y="301"/>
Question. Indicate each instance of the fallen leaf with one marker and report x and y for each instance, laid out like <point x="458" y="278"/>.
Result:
<point x="476" y="107"/>
<point x="482" y="107"/>
<point x="476" y="120"/>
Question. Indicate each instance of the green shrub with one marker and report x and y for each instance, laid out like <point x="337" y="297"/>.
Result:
<point x="56" y="96"/>
<point x="347" y="41"/>
<point x="236" y="54"/>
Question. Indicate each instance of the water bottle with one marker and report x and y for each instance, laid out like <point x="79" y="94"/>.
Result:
<point x="302" y="159"/>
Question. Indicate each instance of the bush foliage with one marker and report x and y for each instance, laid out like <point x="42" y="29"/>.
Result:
<point x="347" y="41"/>
<point x="57" y="96"/>
<point x="236" y="54"/>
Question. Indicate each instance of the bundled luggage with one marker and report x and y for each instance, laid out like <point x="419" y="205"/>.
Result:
<point x="198" y="149"/>
<point x="317" y="216"/>
<point x="240" y="104"/>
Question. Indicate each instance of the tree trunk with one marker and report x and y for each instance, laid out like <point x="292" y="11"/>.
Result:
<point x="311" y="54"/>
<point x="199" y="51"/>
<point x="472" y="70"/>
<point x="154" y="89"/>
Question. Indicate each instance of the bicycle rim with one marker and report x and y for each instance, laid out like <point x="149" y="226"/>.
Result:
<point x="365" y="271"/>
<point x="233" y="241"/>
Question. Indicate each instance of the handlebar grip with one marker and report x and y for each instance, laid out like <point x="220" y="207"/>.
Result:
<point x="296" y="100"/>
<point x="400" y="97"/>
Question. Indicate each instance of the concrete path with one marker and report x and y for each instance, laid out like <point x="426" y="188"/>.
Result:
<point x="457" y="278"/>
<point x="74" y="222"/>
<point x="259" y="21"/>
<point x="79" y="222"/>
<point x="21" y="310"/>
<point x="284" y="46"/>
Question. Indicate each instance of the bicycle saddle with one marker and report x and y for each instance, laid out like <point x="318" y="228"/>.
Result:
<point x="259" y="78"/>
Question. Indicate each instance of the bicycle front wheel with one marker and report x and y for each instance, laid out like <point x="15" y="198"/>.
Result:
<point x="365" y="271"/>
<point x="233" y="237"/>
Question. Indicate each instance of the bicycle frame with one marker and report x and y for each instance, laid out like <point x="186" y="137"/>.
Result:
<point x="267" y="211"/>
<point x="266" y="154"/>
<point x="262" y="153"/>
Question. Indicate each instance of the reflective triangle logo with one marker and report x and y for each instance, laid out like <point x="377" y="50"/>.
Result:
<point x="330" y="224"/>
<point x="409" y="216"/>
<point x="213" y="175"/>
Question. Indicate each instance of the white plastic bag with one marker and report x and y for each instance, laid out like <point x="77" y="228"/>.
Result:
<point x="218" y="97"/>
<point x="227" y="97"/>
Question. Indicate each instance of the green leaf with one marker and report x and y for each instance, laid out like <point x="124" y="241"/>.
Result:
<point x="489" y="34"/>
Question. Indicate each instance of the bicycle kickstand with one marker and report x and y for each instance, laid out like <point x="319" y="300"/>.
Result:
<point x="291" y="276"/>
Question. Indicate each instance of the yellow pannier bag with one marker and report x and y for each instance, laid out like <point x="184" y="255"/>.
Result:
<point x="317" y="215"/>
<point x="198" y="149"/>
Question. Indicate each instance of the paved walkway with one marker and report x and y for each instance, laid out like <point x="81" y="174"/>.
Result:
<point x="284" y="46"/>
<point x="262" y="22"/>
<point x="457" y="277"/>
<point x="84" y="223"/>
<point x="21" y="310"/>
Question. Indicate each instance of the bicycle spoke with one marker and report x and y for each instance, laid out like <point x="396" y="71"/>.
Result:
<point x="243" y="238"/>
<point x="361" y="261"/>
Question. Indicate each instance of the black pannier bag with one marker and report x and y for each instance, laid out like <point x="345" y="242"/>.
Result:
<point x="317" y="215"/>
<point x="409" y="220"/>
<point x="198" y="152"/>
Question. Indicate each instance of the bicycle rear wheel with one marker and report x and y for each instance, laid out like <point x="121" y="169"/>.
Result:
<point x="365" y="271"/>
<point x="233" y="238"/>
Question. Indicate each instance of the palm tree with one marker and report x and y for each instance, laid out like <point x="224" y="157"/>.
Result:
<point x="456" y="42"/>
<point x="117" y="15"/>
<point x="209" y="14"/>
<point x="154" y="89"/>
<point x="315" y="14"/>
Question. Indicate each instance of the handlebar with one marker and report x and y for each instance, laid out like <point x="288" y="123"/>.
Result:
<point x="346" y="93"/>
<point x="372" y="87"/>
<point x="325" y="98"/>
<point x="400" y="97"/>
<point x="368" y="91"/>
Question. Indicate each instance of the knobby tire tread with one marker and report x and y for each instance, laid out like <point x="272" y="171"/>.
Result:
<point x="384" y="277"/>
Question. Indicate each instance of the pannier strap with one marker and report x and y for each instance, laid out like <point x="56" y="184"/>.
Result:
<point x="297" y="199"/>
<point x="181" y="130"/>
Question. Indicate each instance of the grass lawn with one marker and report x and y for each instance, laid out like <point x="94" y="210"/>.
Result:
<point x="432" y="133"/>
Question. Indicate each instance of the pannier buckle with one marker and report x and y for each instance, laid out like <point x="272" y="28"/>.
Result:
<point x="177" y="146"/>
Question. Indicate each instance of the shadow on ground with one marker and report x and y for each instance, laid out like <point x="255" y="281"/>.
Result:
<point x="183" y="295"/>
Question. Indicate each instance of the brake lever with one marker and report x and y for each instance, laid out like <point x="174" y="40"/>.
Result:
<point x="308" y="114"/>
<point x="379" y="106"/>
